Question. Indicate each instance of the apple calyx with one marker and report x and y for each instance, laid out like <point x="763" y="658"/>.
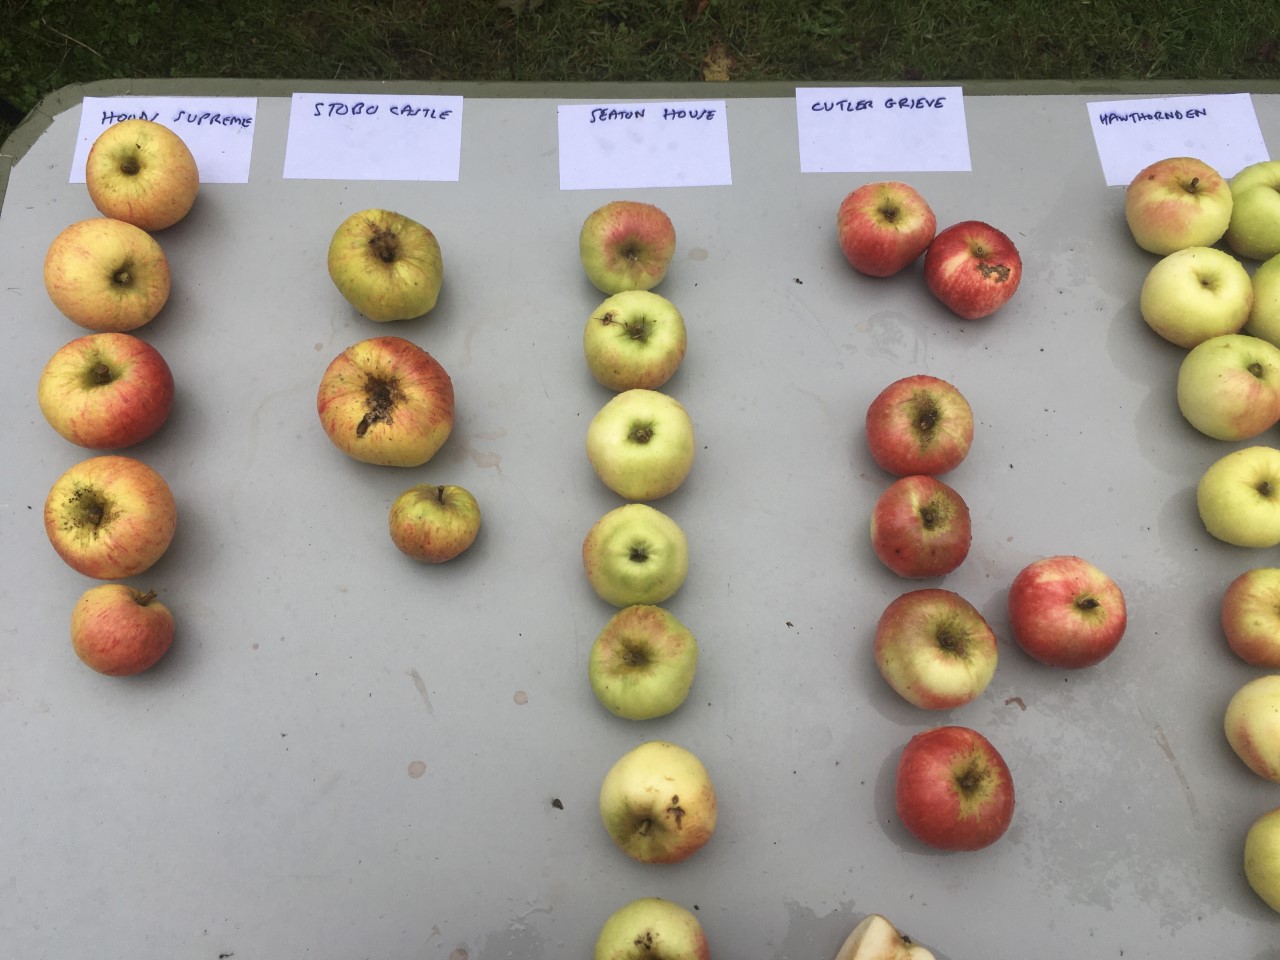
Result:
<point x="889" y="211"/>
<point x="100" y="374"/>
<point x="973" y="784"/>
<point x="952" y="638"/>
<point x="381" y="397"/>
<point x="385" y="244"/>
<point x="641" y="431"/>
<point x="130" y="166"/>
<point x="638" y="553"/>
<point x="89" y="508"/>
<point x="122" y="277"/>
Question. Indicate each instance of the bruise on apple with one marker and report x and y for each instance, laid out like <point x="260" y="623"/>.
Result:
<point x="382" y="395"/>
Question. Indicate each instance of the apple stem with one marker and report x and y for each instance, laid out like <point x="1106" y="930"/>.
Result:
<point x="142" y="599"/>
<point x="1194" y="185"/>
<point x="645" y="827"/>
<point x="440" y="494"/>
<point x="122" y="277"/>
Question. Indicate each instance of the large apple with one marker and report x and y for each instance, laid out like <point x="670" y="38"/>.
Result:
<point x="626" y="245"/>
<point x="1254" y="229"/>
<point x="1264" y="315"/>
<point x="919" y="425"/>
<point x="1250" y="615"/>
<point x="973" y="268"/>
<point x="1252" y="725"/>
<point x="1065" y="612"/>
<point x="1194" y="294"/>
<point x="1262" y="858"/>
<point x="434" y="522"/>
<point x="143" y="173"/>
<point x="935" y="649"/>
<point x="106" y="391"/>
<point x="106" y="275"/>
<point x="1176" y="203"/>
<point x="875" y="938"/>
<point x="953" y="790"/>
<point x="635" y="554"/>
<point x="110" y="517"/>
<point x="642" y="663"/>
<point x="652" y="929"/>
<point x="641" y="445"/>
<point x="1229" y="386"/>
<point x="634" y="339"/>
<point x="1238" y="497"/>
<point x="883" y="227"/>
<point x="658" y="803"/>
<point x="387" y="401"/>
<point x="120" y="631"/>
<point x="386" y="265"/>
<point x="920" y="527"/>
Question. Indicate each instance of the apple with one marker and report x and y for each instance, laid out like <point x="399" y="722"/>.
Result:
<point x="640" y="444"/>
<point x="972" y="268"/>
<point x="1229" y="386"/>
<point x="658" y="803"/>
<point x="642" y="664"/>
<point x="919" y="425"/>
<point x="875" y="938"/>
<point x="1252" y="725"/>
<point x="1254" y="229"/>
<point x="635" y="339"/>
<point x="1176" y="203"/>
<point x="106" y="275"/>
<point x="1238" y="497"/>
<point x="883" y="227"/>
<point x="635" y="554"/>
<point x="141" y="172"/>
<point x="1262" y="858"/>
<point x="652" y="929"/>
<point x="1065" y="612"/>
<point x="1250" y="615"/>
<point x="920" y="527"/>
<point x="433" y="522"/>
<point x="1264" y="315"/>
<point x="120" y="631"/>
<point x="386" y="265"/>
<point x="110" y="517"/>
<point x="935" y="649"/>
<point x="1194" y="294"/>
<point x="387" y="401"/>
<point x="626" y="245"/>
<point x="953" y="790"/>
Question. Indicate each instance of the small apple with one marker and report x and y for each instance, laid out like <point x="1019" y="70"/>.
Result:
<point x="935" y="649"/>
<point x="141" y="172"/>
<point x="883" y="227"/>
<point x="642" y="664"/>
<point x="1262" y="858"/>
<point x="652" y="929"/>
<point x="1176" y="203"/>
<point x="635" y="554"/>
<point x="1264" y="315"/>
<point x="920" y="527"/>
<point x="875" y="938"/>
<point x="640" y="444"/>
<point x="387" y="401"/>
<point x="1238" y="497"/>
<point x="1254" y="230"/>
<point x="1065" y="612"/>
<point x="1252" y="725"/>
<point x="106" y="275"/>
<point x="658" y="804"/>
<point x="634" y="339"/>
<point x="972" y="268"/>
<point x="120" y="631"/>
<point x="1229" y="386"/>
<point x="953" y="789"/>
<point x="434" y="523"/>
<point x="1194" y="294"/>
<point x="386" y="265"/>
<point x="1250" y="614"/>
<point x="919" y="425"/>
<point x="626" y="245"/>
<point x="110" y="517"/>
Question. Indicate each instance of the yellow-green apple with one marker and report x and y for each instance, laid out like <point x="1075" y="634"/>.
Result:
<point x="920" y="527"/>
<point x="106" y="275"/>
<point x="883" y="227"/>
<point x="635" y="554"/>
<point x="386" y="265"/>
<point x="640" y="444"/>
<point x="1262" y="858"/>
<point x="953" y="789"/>
<point x="1229" y="386"/>
<point x="110" y="517"/>
<point x="1065" y="612"/>
<point x="919" y="424"/>
<point x="658" y="803"/>
<point x="1196" y="293"/>
<point x="120" y="631"/>
<point x="626" y="245"/>
<point x="973" y="268"/>
<point x="143" y="173"/>
<point x="434" y="522"/>
<point x="652" y="929"/>
<point x="1238" y="497"/>
<point x="642" y="663"/>
<point x="875" y="938"/>
<point x="636" y="338"/>
<point x="1250" y="615"/>
<point x="387" y="401"/>
<point x="1252" y="725"/>
<point x="106" y="391"/>
<point x="1264" y="315"/>
<point x="935" y="649"/>
<point x="1176" y="203"/>
<point x="1254" y="229"/>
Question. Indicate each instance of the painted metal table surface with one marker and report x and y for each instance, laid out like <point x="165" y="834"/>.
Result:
<point x="347" y="754"/>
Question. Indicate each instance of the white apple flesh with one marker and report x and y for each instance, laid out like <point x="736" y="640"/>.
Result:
<point x="875" y="938"/>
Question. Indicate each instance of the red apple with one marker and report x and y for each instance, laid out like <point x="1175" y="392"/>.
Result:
<point x="919" y="424"/>
<point x="883" y="227"/>
<point x="1065" y="612"/>
<point x="1251" y="616"/>
<point x="935" y="649"/>
<point x="973" y="268"/>
<point x="120" y="631"/>
<point x="920" y="527"/>
<point x="953" y="789"/>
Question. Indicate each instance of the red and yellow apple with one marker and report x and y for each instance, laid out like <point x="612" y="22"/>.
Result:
<point x="626" y="245"/>
<point x="1250" y="615"/>
<point x="973" y="268"/>
<point x="106" y="275"/>
<point x="883" y="227"/>
<point x="120" y="631"/>
<point x="1175" y="203"/>
<point x="434" y="522"/>
<point x="658" y="803"/>
<point x="1252" y="725"/>
<point x="920" y="527"/>
<point x="919" y="425"/>
<point x="386" y="265"/>
<point x="141" y="172"/>
<point x="1065" y="612"/>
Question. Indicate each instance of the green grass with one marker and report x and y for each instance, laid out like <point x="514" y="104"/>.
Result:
<point x="47" y="44"/>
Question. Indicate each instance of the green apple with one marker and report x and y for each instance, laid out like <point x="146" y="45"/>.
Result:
<point x="1239" y="497"/>
<point x="1229" y="386"/>
<point x="1176" y="203"/>
<point x="1194" y="294"/>
<point x="1254" y="231"/>
<point x="1264" y="317"/>
<point x="635" y="554"/>
<point x="1252" y="725"/>
<point x="642" y="664"/>
<point x="1262" y="858"/>
<point x="634" y="339"/>
<point x="141" y="172"/>
<point x="658" y="803"/>
<point x="641" y="444"/>
<point x="652" y="929"/>
<point x="433" y="522"/>
<point x="626" y="245"/>
<point x="386" y="265"/>
<point x="875" y="938"/>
